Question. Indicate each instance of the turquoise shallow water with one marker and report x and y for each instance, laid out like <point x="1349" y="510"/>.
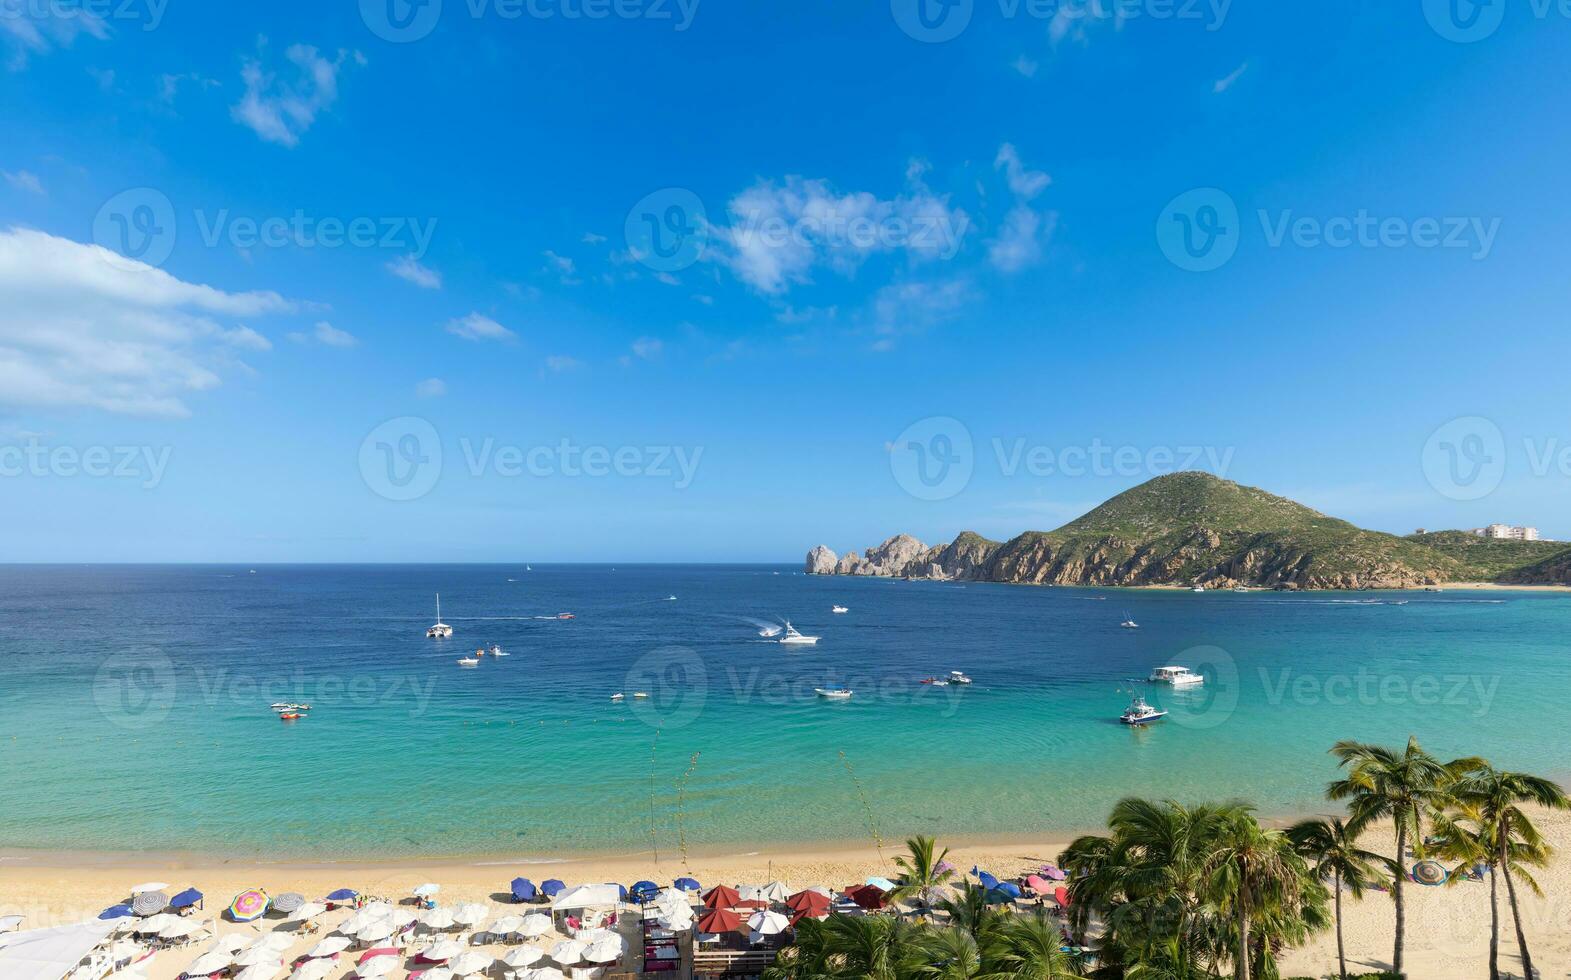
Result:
<point x="134" y="710"/>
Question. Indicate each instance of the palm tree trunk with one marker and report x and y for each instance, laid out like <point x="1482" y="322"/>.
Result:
<point x="1241" y="963"/>
<point x="1341" y="951"/>
<point x="1494" y="926"/>
<point x="1396" y="891"/>
<point x="1516" y="918"/>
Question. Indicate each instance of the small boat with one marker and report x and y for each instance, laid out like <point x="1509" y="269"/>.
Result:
<point x="935" y="681"/>
<point x="468" y="661"/>
<point x="670" y="598"/>
<point x="793" y="637"/>
<point x="1176" y="676"/>
<point x="640" y="695"/>
<point x="289" y="715"/>
<point x="834" y="693"/>
<point x="1198" y="588"/>
<point x="480" y="652"/>
<point x="564" y="616"/>
<point x="1431" y="588"/>
<point x="839" y="609"/>
<point x="618" y="696"/>
<point x="282" y="706"/>
<point x="1140" y="713"/>
<point x="1129" y="622"/>
<point x="958" y="677"/>
<point x="440" y="631"/>
<point x="1240" y="588"/>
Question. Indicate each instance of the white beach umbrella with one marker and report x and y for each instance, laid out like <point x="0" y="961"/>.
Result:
<point x="276" y="941"/>
<point x="331" y="946"/>
<point x="180" y="928"/>
<point x="403" y="917"/>
<point x="309" y="910"/>
<point x="209" y="962"/>
<point x="749" y="893"/>
<point x="427" y="890"/>
<point x="376" y="931"/>
<point x="444" y="949"/>
<point x="154" y="923"/>
<point x="148" y="886"/>
<point x="775" y="891"/>
<point x="568" y="951"/>
<point x="230" y="942"/>
<point x="471" y="913"/>
<point x="676" y="922"/>
<point x="506" y="925"/>
<point x="314" y="970"/>
<point x="255" y="956"/>
<point x="670" y="896"/>
<point x="472" y="961"/>
<point x="542" y="973"/>
<point x="536" y="924"/>
<point x="767" y="923"/>
<point x="438" y="973"/>
<point x="606" y="949"/>
<point x="524" y="956"/>
<point x="377" y="966"/>
<point x="260" y="971"/>
<point x="438" y="918"/>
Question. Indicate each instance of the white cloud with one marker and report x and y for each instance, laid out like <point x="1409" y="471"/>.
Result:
<point x="280" y="111"/>
<point x="84" y="327"/>
<point x="169" y="85"/>
<point x="477" y="326"/>
<point x="648" y="348"/>
<point x="1019" y="242"/>
<point x="1025" y="66"/>
<point x="563" y="267"/>
<point x="706" y="300"/>
<point x="331" y="336"/>
<point x="668" y="279"/>
<point x="23" y="180"/>
<point x="431" y="388"/>
<point x="558" y="363"/>
<point x="779" y="232"/>
<point x="1223" y="84"/>
<point x="105" y="77"/>
<point x="910" y="307"/>
<point x="590" y="238"/>
<point x="38" y="28"/>
<point x="409" y="269"/>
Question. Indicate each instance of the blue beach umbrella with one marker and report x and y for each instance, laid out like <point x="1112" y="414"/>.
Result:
<point x="644" y="889"/>
<point x="621" y="891"/>
<point x="999" y="896"/>
<point x="524" y="890"/>
<point x="551" y="887"/>
<point x="116" y="912"/>
<point x="343" y="895"/>
<point x="987" y="880"/>
<point x="688" y="884"/>
<point x="186" y="899"/>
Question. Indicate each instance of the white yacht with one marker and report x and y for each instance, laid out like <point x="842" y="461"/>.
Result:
<point x="834" y="693"/>
<point x="793" y="637"/>
<point x="618" y="696"/>
<point x="1198" y="588"/>
<point x="497" y="651"/>
<point x="468" y="661"/>
<point x="959" y="677"/>
<point x="1176" y="676"/>
<point x="839" y="609"/>
<point x="1140" y="713"/>
<point x="441" y="630"/>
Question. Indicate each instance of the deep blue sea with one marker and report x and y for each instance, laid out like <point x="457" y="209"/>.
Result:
<point x="134" y="712"/>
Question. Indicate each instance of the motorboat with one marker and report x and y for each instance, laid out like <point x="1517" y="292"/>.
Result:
<point x="640" y="695"/>
<point x="564" y="616"/>
<point x="839" y="609"/>
<point x="834" y="693"/>
<point x="1129" y="622"/>
<point x="468" y="661"/>
<point x="1140" y="713"/>
<point x="1198" y="588"/>
<point x="793" y="637"/>
<point x="283" y="706"/>
<point x="1240" y="588"/>
<point x="439" y="631"/>
<point x="958" y="677"/>
<point x="497" y="651"/>
<point x="618" y="696"/>
<point x="1176" y="676"/>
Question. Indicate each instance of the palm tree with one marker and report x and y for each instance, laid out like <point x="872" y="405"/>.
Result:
<point x="1332" y="850"/>
<point x="1405" y="786"/>
<point x="1252" y="870"/>
<point x="951" y="954"/>
<point x="1030" y="947"/>
<point x="923" y="873"/>
<point x="1493" y="799"/>
<point x="968" y="910"/>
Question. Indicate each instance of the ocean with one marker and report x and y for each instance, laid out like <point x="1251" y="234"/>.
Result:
<point x="134" y="713"/>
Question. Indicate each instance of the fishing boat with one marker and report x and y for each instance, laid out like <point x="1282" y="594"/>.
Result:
<point x="497" y="651"/>
<point x="793" y="637"/>
<point x="468" y="661"/>
<point x="618" y="696"/>
<point x="1176" y="676"/>
<point x="564" y="616"/>
<point x="834" y="693"/>
<point x="958" y="677"/>
<point x="439" y="631"/>
<point x="1140" y="713"/>
<point x="839" y="609"/>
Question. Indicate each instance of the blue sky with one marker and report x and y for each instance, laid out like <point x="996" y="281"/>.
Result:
<point x="874" y="247"/>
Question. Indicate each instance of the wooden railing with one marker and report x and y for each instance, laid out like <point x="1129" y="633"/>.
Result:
<point x="731" y="962"/>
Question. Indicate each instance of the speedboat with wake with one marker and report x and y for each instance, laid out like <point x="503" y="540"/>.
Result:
<point x="793" y="637"/>
<point x="468" y="661"/>
<point x="834" y="693"/>
<point x="497" y="651"/>
<point x="839" y="609"/>
<point x="1140" y="713"/>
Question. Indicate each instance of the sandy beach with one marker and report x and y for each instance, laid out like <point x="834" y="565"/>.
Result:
<point x="1448" y="926"/>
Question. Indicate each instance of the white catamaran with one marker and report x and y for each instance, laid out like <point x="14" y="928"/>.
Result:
<point x="440" y="631"/>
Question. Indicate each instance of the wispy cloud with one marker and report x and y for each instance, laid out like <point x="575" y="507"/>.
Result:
<point x="23" y="180"/>
<point x="558" y="363"/>
<point x="38" y="28"/>
<point x="169" y="85"/>
<point x="1019" y="242"/>
<point x="477" y="327"/>
<point x="280" y="110"/>
<point x="82" y="327"/>
<point x="327" y="335"/>
<point x="431" y="388"/>
<point x="407" y="268"/>
<point x="1223" y="84"/>
<point x="1025" y="66"/>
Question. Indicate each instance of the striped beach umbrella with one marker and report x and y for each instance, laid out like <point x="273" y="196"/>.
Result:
<point x="249" y="905"/>
<point x="1429" y="873"/>
<point x="149" y="903"/>
<point x="288" y="902"/>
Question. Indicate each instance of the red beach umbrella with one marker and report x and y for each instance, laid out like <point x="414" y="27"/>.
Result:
<point x="720" y="920"/>
<point x="808" y="901"/>
<point x="1061" y="896"/>
<point x="867" y="896"/>
<point x="722" y="897"/>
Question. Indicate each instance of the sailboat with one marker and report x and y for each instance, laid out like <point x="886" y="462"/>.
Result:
<point x="1129" y="622"/>
<point x="439" y="631"/>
